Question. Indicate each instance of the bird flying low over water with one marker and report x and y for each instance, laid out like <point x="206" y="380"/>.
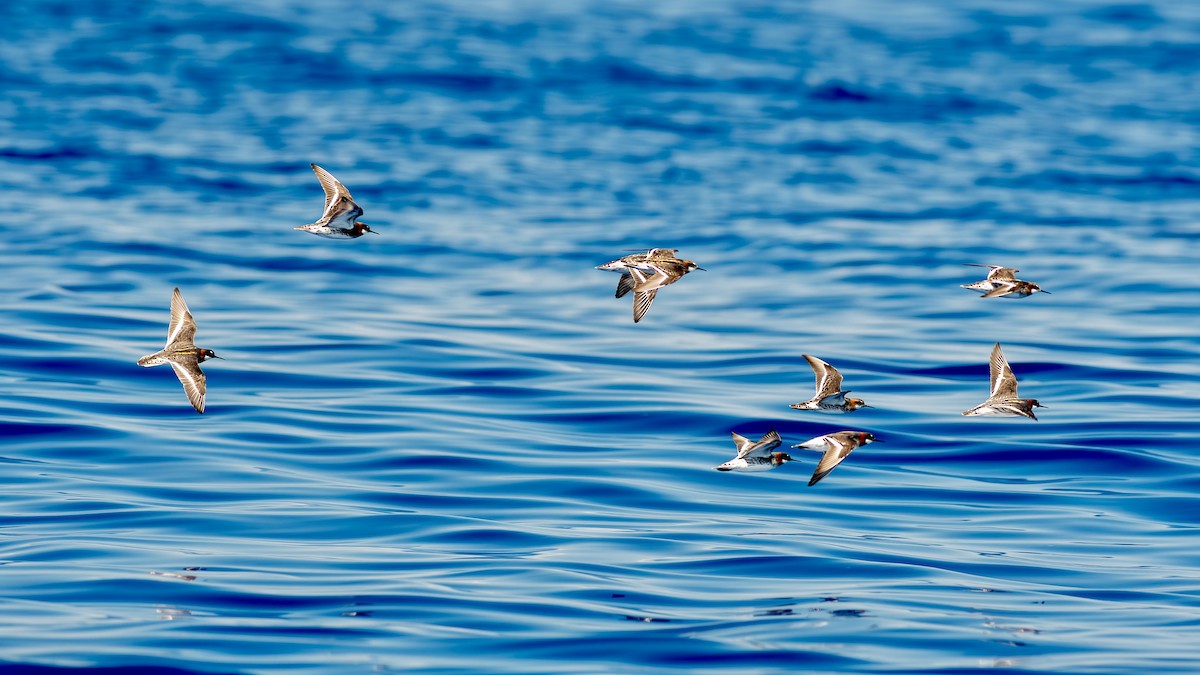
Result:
<point x="340" y="219"/>
<point x="829" y="396"/>
<point x="645" y="273"/>
<point x="183" y="356"/>
<point x="756" y="455"/>
<point x="1002" y="282"/>
<point x="1003" y="399"/>
<point x="837" y="447"/>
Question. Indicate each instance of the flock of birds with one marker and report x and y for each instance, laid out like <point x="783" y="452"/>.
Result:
<point x="642" y="274"/>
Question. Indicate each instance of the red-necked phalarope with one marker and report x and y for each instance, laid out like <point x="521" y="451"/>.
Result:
<point x="1003" y="400"/>
<point x="829" y="396"/>
<point x="1001" y="282"/>
<point x="340" y="219"/>
<point x="756" y="455"/>
<point x="645" y="273"/>
<point x="837" y="447"/>
<point x="185" y="358"/>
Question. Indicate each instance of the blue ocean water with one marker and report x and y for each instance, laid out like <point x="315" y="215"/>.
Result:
<point x="449" y="448"/>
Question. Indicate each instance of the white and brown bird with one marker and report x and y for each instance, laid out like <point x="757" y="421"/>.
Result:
<point x="829" y="396"/>
<point x="1001" y="282"/>
<point x="183" y="356"/>
<point x="340" y="219"/>
<point x="837" y="447"/>
<point x="1003" y="399"/>
<point x="756" y="455"/>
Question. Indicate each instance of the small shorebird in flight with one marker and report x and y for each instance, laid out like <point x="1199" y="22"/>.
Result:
<point x="837" y="447"/>
<point x="756" y="455"/>
<point x="829" y="396"/>
<point x="645" y="273"/>
<point x="183" y="356"/>
<point x="1002" y="282"/>
<point x="1003" y="399"/>
<point x="340" y="219"/>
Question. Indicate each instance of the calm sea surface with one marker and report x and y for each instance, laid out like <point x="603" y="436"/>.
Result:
<point x="448" y="448"/>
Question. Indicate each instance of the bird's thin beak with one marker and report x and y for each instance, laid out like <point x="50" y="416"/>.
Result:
<point x="701" y="269"/>
<point x="866" y="405"/>
<point x="214" y="356"/>
<point x="1044" y="291"/>
<point x="878" y="440"/>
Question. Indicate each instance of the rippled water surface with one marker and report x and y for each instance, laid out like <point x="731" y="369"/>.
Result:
<point x="449" y="448"/>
